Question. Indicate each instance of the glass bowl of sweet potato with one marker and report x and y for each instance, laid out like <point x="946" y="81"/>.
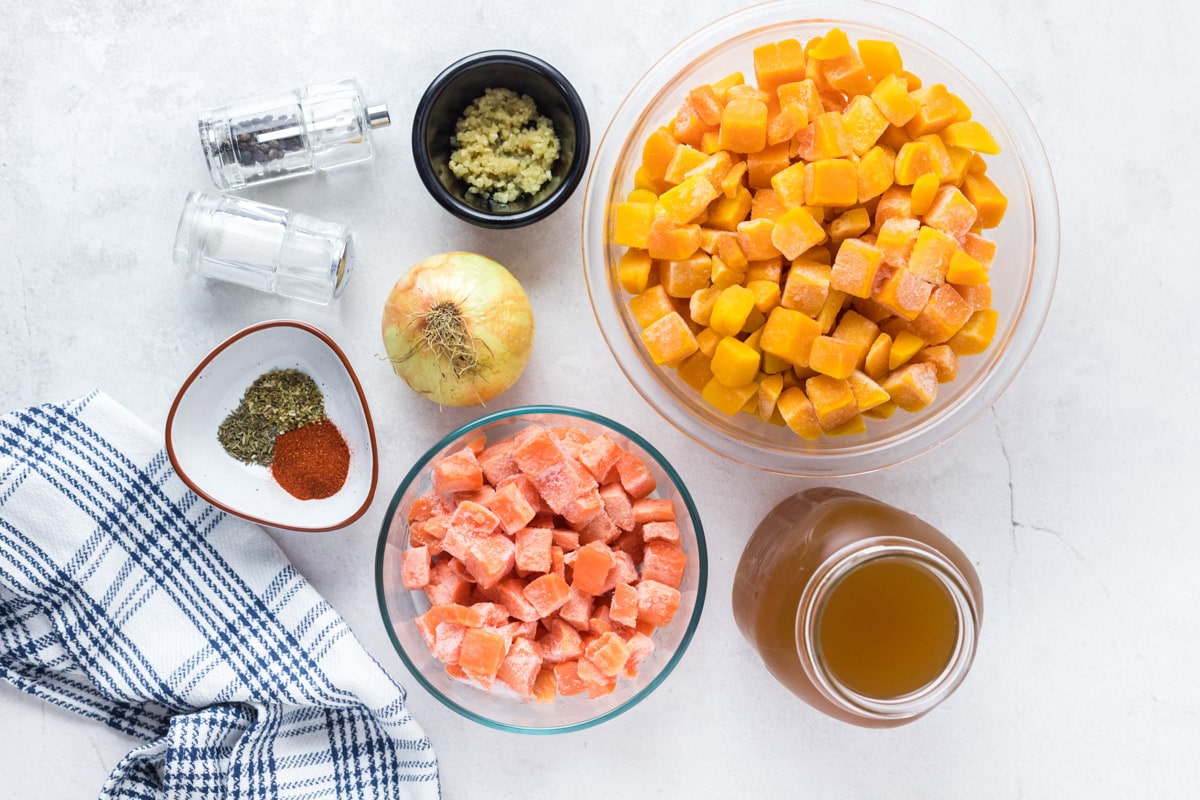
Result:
<point x="541" y="570"/>
<point x="820" y="238"/>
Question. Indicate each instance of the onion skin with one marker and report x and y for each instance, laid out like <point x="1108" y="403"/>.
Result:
<point x="498" y="324"/>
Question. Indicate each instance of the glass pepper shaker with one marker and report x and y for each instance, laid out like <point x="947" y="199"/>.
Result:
<point x="264" y="247"/>
<point x="282" y="135"/>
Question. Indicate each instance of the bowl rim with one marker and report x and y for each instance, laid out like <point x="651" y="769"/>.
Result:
<point x="570" y="181"/>
<point x="1031" y="310"/>
<point x="195" y="374"/>
<point x="512" y="414"/>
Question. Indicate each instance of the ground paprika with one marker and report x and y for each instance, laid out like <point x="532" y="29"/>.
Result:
<point x="311" y="462"/>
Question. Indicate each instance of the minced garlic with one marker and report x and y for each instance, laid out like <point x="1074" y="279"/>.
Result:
<point x="503" y="148"/>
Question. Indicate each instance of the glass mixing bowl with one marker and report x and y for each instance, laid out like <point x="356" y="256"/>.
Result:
<point x="498" y="707"/>
<point x="1022" y="276"/>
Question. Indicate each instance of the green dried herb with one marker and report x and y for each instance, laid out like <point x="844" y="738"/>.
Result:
<point x="277" y="402"/>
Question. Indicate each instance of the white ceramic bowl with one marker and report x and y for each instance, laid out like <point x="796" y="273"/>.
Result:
<point x="216" y="387"/>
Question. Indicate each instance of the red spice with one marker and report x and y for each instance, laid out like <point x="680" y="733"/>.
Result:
<point x="311" y="462"/>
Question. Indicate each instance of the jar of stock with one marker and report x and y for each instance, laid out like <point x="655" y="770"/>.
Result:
<point x="864" y="611"/>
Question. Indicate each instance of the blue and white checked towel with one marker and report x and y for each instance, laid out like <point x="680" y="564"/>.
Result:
<point x="125" y="598"/>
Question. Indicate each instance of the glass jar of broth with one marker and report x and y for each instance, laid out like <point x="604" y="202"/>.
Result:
<point x="866" y="612"/>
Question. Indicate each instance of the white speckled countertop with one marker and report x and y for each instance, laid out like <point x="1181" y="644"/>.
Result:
<point x="1069" y="495"/>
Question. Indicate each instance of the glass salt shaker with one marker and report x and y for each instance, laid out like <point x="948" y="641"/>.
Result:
<point x="264" y="247"/>
<point x="282" y="135"/>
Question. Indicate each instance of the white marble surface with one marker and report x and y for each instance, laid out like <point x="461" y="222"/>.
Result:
<point x="1071" y="495"/>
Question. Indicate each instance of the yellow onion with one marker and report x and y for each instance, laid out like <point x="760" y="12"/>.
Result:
<point x="458" y="328"/>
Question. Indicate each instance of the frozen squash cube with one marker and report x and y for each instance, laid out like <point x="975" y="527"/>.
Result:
<point x="789" y="334"/>
<point x="943" y="358"/>
<point x="632" y="224"/>
<point x="903" y="292"/>
<point x="687" y="201"/>
<point x="881" y="58"/>
<point x="894" y="203"/>
<point x="913" y="386"/>
<point x="942" y="316"/>
<point x="972" y="135"/>
<point x="852" y="223"/>
<point x="481" y="654"/>
<point x="533" y="549"/>
<point x="777" y="63"/>
<point x="864" y="123"/>
<point x="913" y="160"/>
<point x="609" y="653"/>
<point x="856" y="329"/>
<point x="867" y="393"/>
<point x="766" y="294"/>
<point x="796" y="231"/>
<point x="683" y="278"/>
<point x="989" y="201"/>
<point x="781" y="128"/>
<point x="734" y="363"/>
<point x="731" y="310"/>
<point x="976" y="334"/>
<point x="669" y="339"/>
<point x="833" y="357"/>
<point x="633" y="270"/>
<point x="728" y="399"/>
<point x="806" y="287"/>
<point x="931" y="254"/>
<point x="905" y="345"/>
<point x="685" y="159"/>
<point x="547" y="593"/>
<point x="766" y="205"/>
<point x="726" y="212"/>
<point x="832" y="400"/>
<point x="489" y="559"/>
<point x="965" y="270"/>
<point x="895" y="240"/>
<point x="950" y="212"/>
<point x="876" y="172"/>
<point x="636" y="478"/>
<point x="623" y="609"/>
<point x="830" y="139"/>
<point x="511" y="507"/>
<point x="924" y="189"/>
<point x="743" y="125"/>
<point x="854" y="268"/>
<point x="762" y="165"/>
<point x="520" y="667"/>
<point x="893" y="100"/>
<point x="414" y="567"/>
<point x="788" y="185"/>
<point x="799" y="414"/>
<point x="657" y="153"/>
<point x="878" y="355"/>
<point x="651" y="305"/>
<point x="754" y="239"/>
<point x="670" y="241"/>
<point x="831" y="182"/>
<point x="511" y="594"/>
<point x="592" y="564"/>
<point x="981" y="249"/>
<point x="935" y="109"/>
<point x="457" y="472"/>
<point x="830" y="311"/>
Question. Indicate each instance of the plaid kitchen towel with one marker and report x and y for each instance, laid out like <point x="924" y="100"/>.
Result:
<point x="127" y="599"/>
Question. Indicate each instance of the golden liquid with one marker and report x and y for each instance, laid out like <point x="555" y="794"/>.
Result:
<point x="888" y="628"/>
